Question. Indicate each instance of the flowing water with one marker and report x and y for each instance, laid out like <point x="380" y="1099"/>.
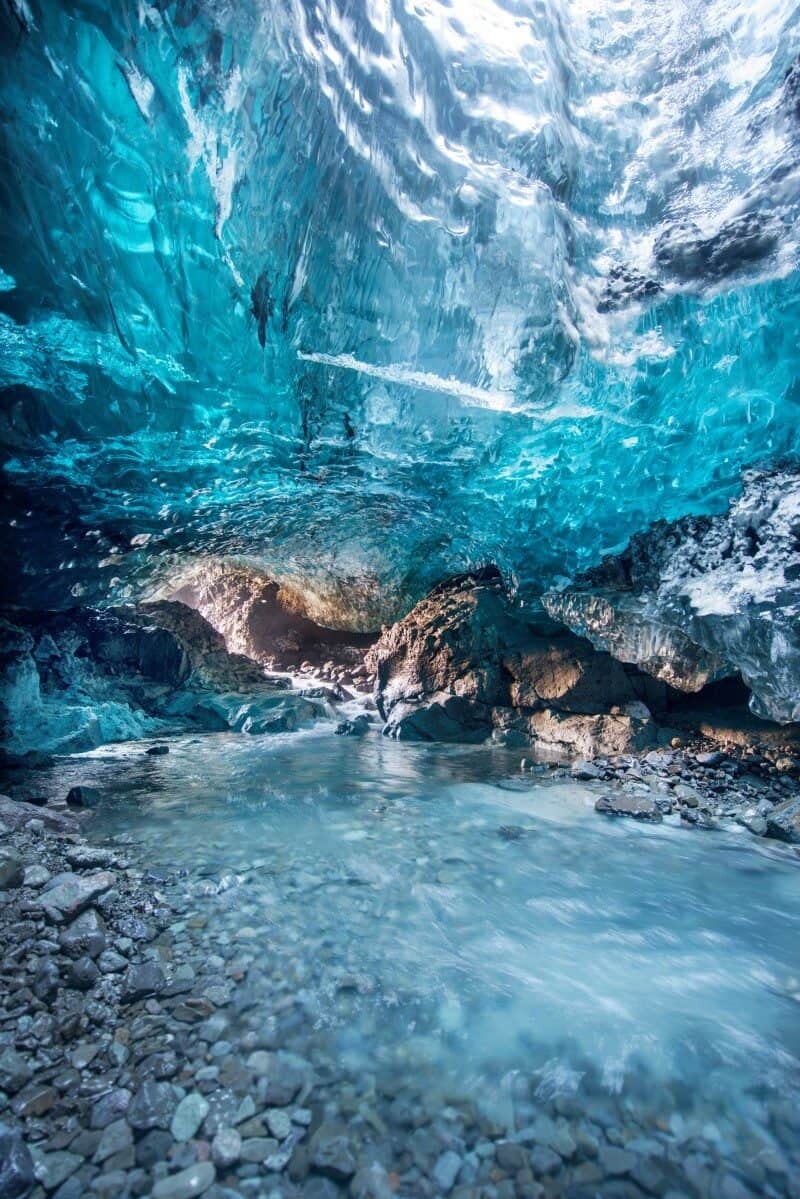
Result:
<point x="439" y="921"/>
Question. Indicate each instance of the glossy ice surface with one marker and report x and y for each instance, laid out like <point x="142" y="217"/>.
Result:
<point x="366" y="293"/>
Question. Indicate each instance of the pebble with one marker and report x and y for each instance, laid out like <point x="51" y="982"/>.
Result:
<point x="226" y="1148"/>
<point x="187" y="1183"/>
<point x="446" y="1170"/>
<point x="189" y="1115"/>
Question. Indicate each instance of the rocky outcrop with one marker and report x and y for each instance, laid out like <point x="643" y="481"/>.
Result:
<point x="466" y="664"/>
<point x="704" y="597"/>
<point x="72" y="681"/>
<point x="259" y="618"/>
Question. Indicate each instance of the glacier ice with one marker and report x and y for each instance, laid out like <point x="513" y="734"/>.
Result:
<point x="365" y="295"/>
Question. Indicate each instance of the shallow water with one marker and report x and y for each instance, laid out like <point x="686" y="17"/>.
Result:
<point x="579" y="956"/>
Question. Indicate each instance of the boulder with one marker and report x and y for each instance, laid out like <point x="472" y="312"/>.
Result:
<point x="694" y="600"/>
<point x="466" y="662"/>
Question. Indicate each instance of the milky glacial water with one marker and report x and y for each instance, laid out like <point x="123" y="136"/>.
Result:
<point x="444" y="921"/>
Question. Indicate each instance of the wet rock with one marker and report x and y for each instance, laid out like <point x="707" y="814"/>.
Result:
<point x="52" y="1169"/>
<point x="36" y="876"/>
<point x="15" y="1072"/>
<point x="34" y="1100"/>
<point x="110" y="1106"/>
<point x="332" y="1153"/>
<point x="446" y="1170"/>
<point x="141" y="981"/>
<point x="615" y="1161"/>
<point x="82" y="973"/>
<point x="625" y="286"/>
<point x="619" y="803"/>
<point x="117" y="1137"/>
<point x="12" y="871"/>
<point x="17" y="1177"/>
<point x="47" y="979"/>
<point x="353" y="728"/>
<point x="152" y="1106"/>
<point x="84" y="936"/>
<point x="187" y="1183"/>
<point x="189" y="1115"/>
<point x="67" y="895"/>
<point x="157" y="751"/>
<point x="84" y="797"/>
<point x="226" y="1148"/>
<point x="372" y="1182"/>
<point x="783" y="822"/>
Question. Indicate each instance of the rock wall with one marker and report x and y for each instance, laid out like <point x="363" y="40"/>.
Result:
<point x="72" y="681"/>
<point x="465" y="664"/>
<point x="700" y="598"/>
<point x="259" y="618"/>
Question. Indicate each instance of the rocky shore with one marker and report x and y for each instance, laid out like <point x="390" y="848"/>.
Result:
<point x="150" y="1045"/>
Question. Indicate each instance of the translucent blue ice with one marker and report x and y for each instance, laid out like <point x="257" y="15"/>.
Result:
<point x="367" y="293"/>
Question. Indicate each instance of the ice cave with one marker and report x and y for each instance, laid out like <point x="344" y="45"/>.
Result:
<point x="400" y="615"/>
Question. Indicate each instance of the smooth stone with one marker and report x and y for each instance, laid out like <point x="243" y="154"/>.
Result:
<point x="279" y="1123"/>
<point x="67" y="895"/>
<point x="332" y="1154"/>
<point x="86" y="935"/>
<point x="110" y="1106"/>
<point x="226" y="1148"/>
<point x="84" y="797"/>
<point x="116" y="1138"/>
<point x="153" y="1106"/>
<point x="189" y="1115"/>
<point x="446" y="1170"/>
<point x="614" y="1160"/>
<point x="15" y="1072"/>
<point x="187" y="1183"/>
<point x="36" y="876"/>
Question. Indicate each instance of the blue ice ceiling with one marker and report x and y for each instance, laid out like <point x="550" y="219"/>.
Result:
<point x="369" y="292"/>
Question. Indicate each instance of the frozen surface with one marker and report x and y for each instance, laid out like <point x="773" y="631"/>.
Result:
<point x="370" y="293"/>
<point x="588" y="957"/>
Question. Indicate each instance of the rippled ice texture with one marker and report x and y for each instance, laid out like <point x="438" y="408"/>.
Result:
<point x="324" y="284"/>
<point x="589" y="955"/>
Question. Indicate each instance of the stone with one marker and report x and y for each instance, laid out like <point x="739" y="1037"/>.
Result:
<point x="152" y="1106"/>
<point x="34" y="1100"/>
<point x="110" y="1106"/>
<point x="353" y="728"/>
<point x="187" y="1183"/>
<point x="84" y="797"/>
<point x="82" y="974"/>
<point x="12" y="871"/>
<point x="36" y="876"/>
<point x="52" y="1169"/>
<point x="621" y="803"/>
<point x="279" y="1123"/>
<point x="226" y="1148"/>
<point x="143" y="980"/>
<point x="446" y="1170"/>
<point x="332" y="1153"/>
<point x="17" y="1177"/>
<point x="783" y="822"/>
<point x="372" y="1182"/>
<point x="157" y="751"/>
<point x="189" y="1115"/>
<point x="544" y="1161"/>
<point x="614" y="1160"/>
<point x="116" y="1138"/>
<point x="67" y="895"/>
<point x="47" y="979"/>
<point x="511" y="1156"/>
<point x="15" y="1072"/>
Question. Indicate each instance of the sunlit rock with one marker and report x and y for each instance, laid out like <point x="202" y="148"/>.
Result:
<point x="466" y="663"/>
<point x="701" y="598"/>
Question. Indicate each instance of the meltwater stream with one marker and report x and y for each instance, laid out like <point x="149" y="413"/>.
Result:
<point x="428" y="920"/>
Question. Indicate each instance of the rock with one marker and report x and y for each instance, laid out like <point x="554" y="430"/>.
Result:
<point x="703" y="597"/>
<point x="157" y="751"/>
<point x="86" y="935"/>
<point x="84" y="797"/>
<point x="34" y="1100"/>
<point x="143" y="980"/>
<point x="353" y="728"/>
<point x="187" y="1183"/>
<point x="544" y="1161"/>
<point x="47" y="979"/>
<point x="332" y="1153"/>
<point x="67" y="895"/>
<point x="152" y="1106"/>
<point x="82" y="973"/>
<point x="17" y="815"/>
<point x="372" y="1182"/>
<point x="116" y="1138"/>
<point x="12" y="871"/>
<point x="36" y="876"/>
<point x="17" y="1177"/>
<point x="620" y="803"/>
<point x="15" y="1072"/>
<point x="52" y="1169"/>
<point x="110" y="1106"/>
<point x="783" y="822"/>
<point x="446" y="1170"/>
<point x="189" y="1115"/>
<point x="226" y="1148"/>
<point x="583" y="770"/>
<point x="590" y="736"/>
<point x="465" y="653"/>
<point x="279" y="1123"/>
<point x="615" y="1161"/>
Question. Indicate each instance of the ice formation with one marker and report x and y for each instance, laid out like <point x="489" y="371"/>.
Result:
<point x="365" y="295"/>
